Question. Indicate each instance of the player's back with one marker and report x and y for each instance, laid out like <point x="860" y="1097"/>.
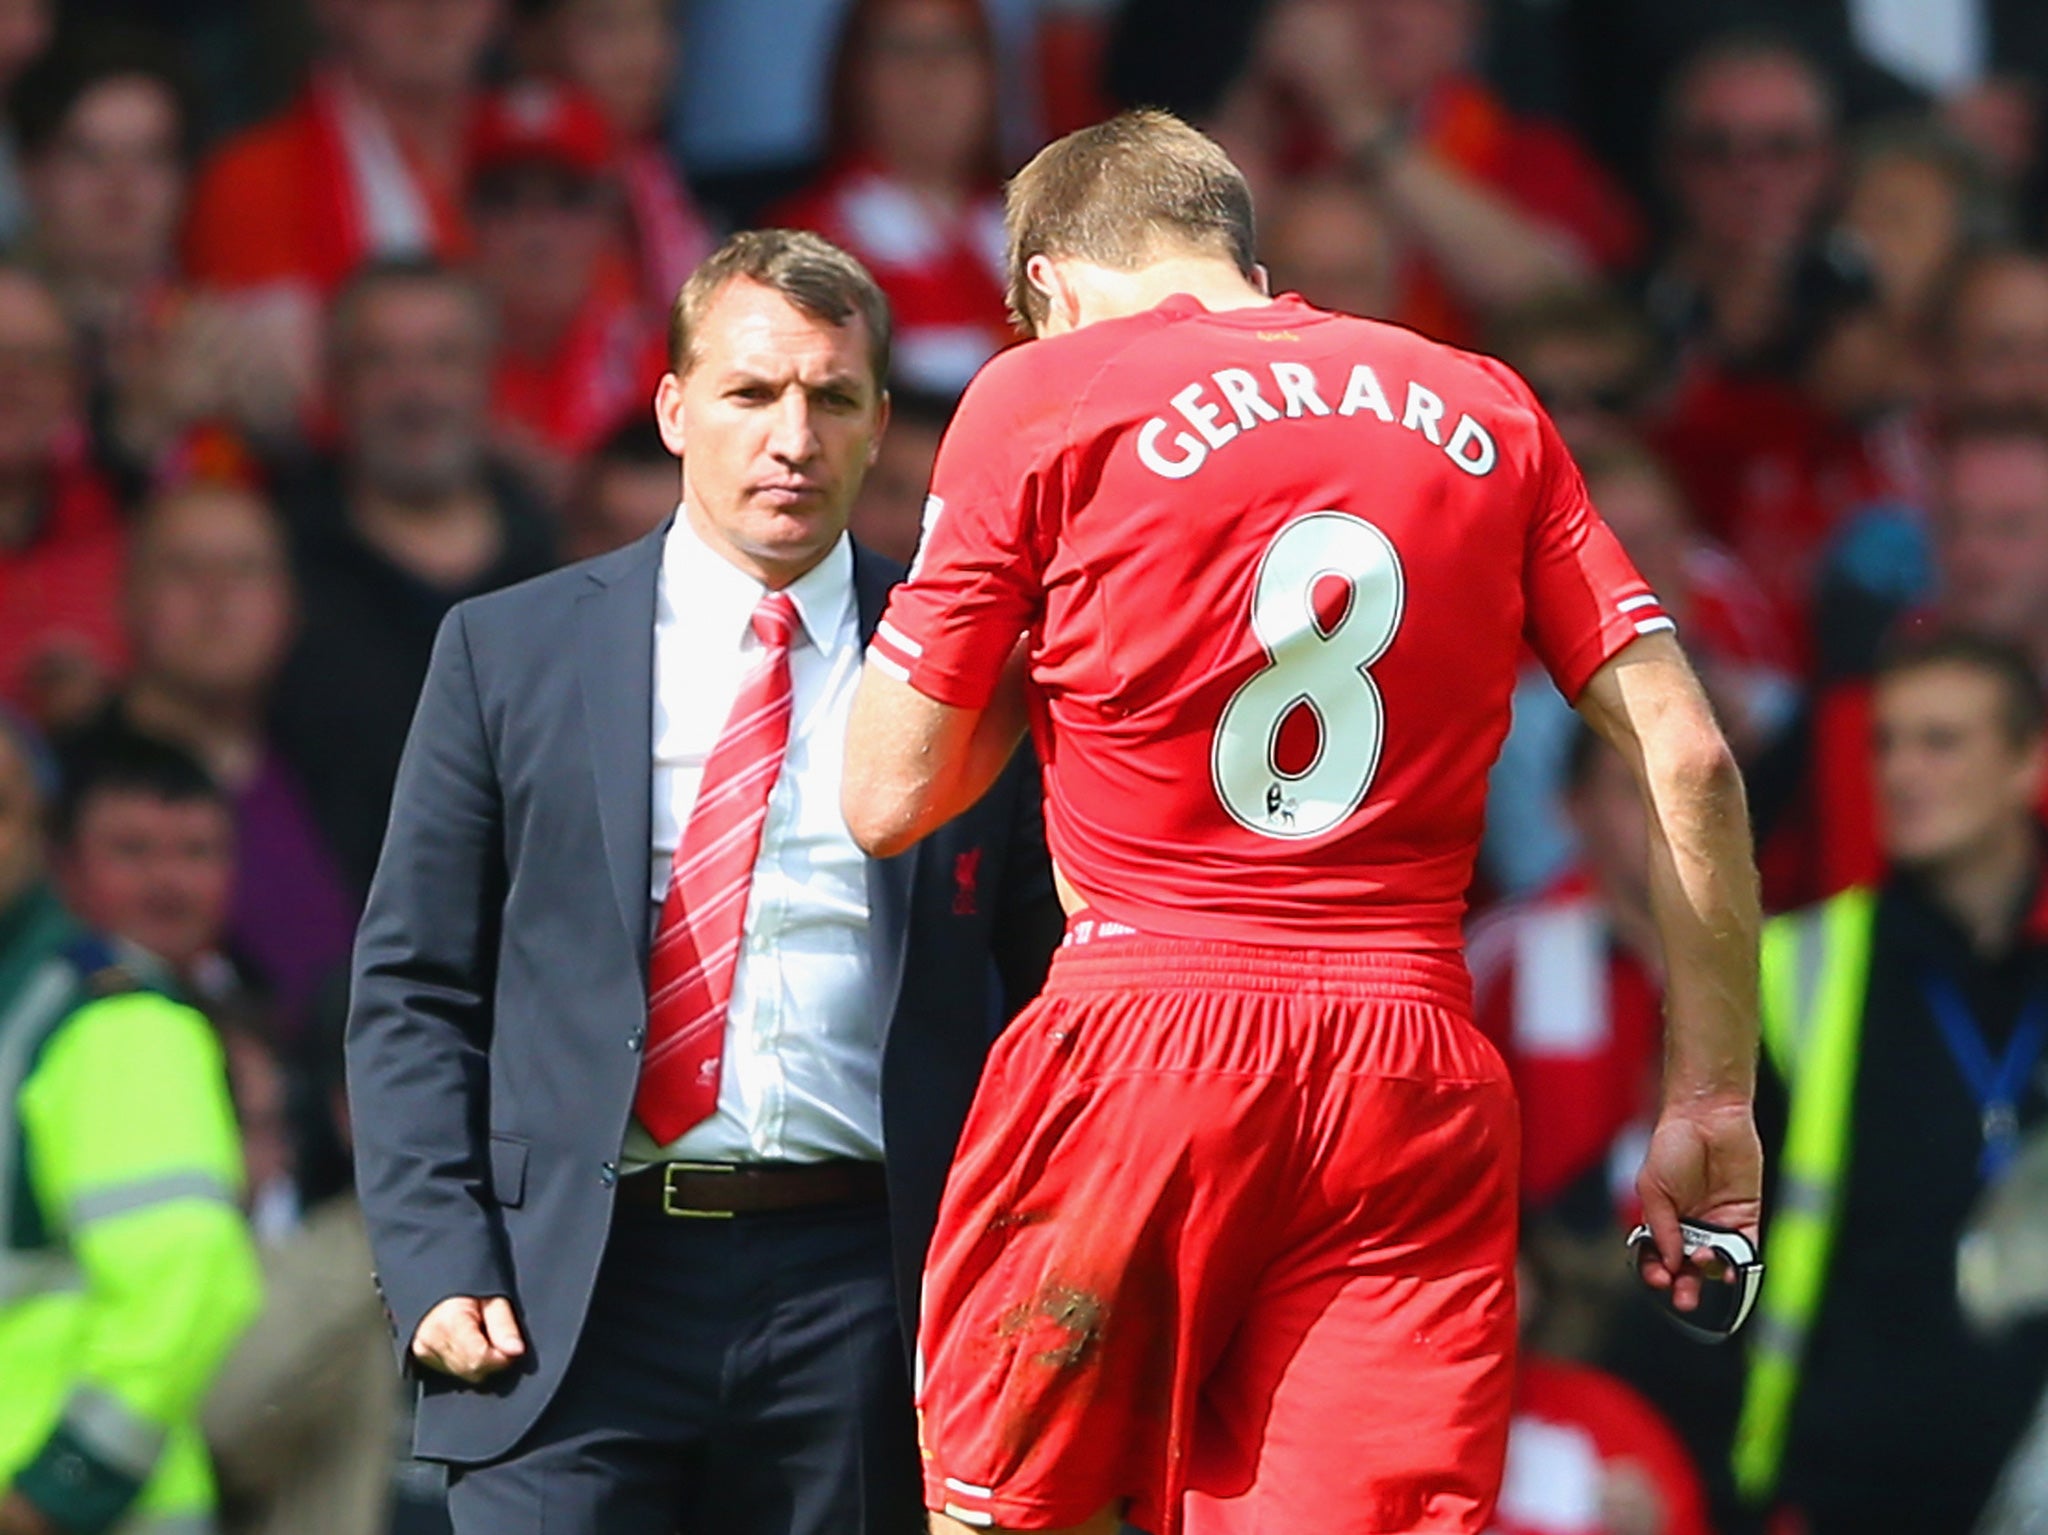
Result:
<point x="1287" y="560"/>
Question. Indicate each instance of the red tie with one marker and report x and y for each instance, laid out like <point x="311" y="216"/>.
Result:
<point x="697" y="946"/>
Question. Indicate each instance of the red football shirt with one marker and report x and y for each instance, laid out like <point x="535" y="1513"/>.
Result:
<point x="1276" y="566"/>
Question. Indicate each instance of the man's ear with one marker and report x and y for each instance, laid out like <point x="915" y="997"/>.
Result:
<point x="668" y="412"/>
<point x="1062" y="305"/>
<point x="1262" y="278"/>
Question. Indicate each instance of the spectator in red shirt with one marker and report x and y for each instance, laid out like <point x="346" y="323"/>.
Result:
<point x="1780" y="460"/>
<point x="101" y="125"/>
<point x="104" y="128"/>
<point x="1568" y="984"/>
<point x="624" y="53"/>
<point x="1489" y="209"/>
<point x="915" y="191"/>
<point x="1787" y="412"/>
<point x="61" y="646"/>
<point x="367" y="162"/>
<point x="1749" y="163"/>
<point x="575" y="341"/>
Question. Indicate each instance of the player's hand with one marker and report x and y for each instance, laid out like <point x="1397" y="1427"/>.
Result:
<point x="468" y="1338"/>
<point x="1704" y="1163"/>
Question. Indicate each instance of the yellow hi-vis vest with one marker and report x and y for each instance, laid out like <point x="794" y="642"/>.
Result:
<point x="1813" y="980"/>
<point x="126" y="1270"/>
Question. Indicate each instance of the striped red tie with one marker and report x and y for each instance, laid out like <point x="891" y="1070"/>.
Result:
<point x="697" y="946"/>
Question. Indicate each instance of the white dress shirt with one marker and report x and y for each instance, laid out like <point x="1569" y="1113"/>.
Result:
<point x="801" y="1075"/>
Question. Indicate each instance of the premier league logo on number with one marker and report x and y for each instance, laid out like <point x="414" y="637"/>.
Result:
<point x="1280" y="806"/>
<point x="1297" y="745"/>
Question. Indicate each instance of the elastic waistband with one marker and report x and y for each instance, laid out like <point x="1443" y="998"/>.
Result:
<point x="1123" y="958"/>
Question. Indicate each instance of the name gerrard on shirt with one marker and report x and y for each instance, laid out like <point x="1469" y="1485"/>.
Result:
<point x="1469" y="446"/>
<point x="1277" y="568"/>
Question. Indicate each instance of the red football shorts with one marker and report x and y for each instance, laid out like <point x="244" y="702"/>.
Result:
<point x="1230" y="1241"/>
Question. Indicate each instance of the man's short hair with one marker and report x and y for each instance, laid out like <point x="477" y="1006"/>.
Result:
<point x="2022" y="709"/>
<point x="1122" y="194"/>
<point x="381" y="272"/>
<point x="812" y="273"/>
<point x="1744" y="45"/>
<point x="116" y="759"/>
<point x="83" y="59"/>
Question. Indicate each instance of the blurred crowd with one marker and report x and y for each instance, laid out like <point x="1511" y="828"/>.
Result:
<point x="319" y="318"/>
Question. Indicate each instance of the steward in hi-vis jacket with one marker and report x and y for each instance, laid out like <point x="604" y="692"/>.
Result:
<point x="126" y="1270"/>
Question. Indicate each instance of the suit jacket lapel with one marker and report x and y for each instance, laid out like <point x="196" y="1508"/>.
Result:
<point x="889" y="879"/>
<point x="615" y="636"/>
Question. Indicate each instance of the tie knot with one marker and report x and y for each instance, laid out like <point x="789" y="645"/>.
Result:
<point x="774" y="621"/>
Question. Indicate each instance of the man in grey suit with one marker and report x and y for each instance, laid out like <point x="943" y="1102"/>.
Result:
<point x="633" y="1019"/>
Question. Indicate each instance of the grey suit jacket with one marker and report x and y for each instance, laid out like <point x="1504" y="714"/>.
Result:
<point x="499" y="1002"/>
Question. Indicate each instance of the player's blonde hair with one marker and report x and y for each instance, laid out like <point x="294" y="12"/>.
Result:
<point x="1121" y="195"/>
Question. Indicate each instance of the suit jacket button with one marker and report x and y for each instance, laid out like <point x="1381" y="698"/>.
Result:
<point x="608" y="1174"/>
<point x="636" y="1039"/>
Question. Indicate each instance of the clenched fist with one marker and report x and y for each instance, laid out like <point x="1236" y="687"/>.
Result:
<point x="468" y="1338"/>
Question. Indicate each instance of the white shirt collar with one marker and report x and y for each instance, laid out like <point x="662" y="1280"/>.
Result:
<point x="723" y="597"/>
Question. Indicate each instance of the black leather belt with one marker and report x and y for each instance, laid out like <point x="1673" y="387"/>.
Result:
<point x="720" y="1190"/>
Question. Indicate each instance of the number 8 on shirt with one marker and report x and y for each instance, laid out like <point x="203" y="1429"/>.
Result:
<point x="1324" y="669"/>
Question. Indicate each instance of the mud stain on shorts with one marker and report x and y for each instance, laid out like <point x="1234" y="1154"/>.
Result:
<point x="1075" y="1316"/>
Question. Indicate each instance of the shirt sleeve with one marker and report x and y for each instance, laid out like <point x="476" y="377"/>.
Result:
<point x="989" y="524"/>
<point x="1585" y="601"/>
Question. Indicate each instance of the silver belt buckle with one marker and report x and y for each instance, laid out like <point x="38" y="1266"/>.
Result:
<point x="686" y="1212"/>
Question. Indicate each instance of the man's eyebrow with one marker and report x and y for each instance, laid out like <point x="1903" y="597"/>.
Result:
<point x="740" y="376"/>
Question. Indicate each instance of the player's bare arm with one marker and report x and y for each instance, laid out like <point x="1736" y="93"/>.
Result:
<point x="1704" y="1160"/>
<point x="913" y="763"/>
